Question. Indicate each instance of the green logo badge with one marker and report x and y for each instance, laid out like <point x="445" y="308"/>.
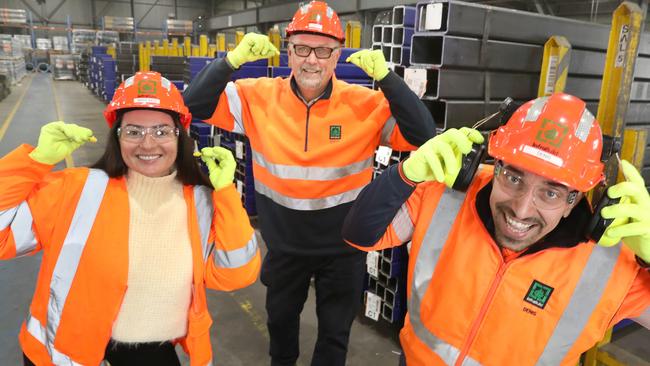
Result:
<point x="335" y="132"/>
<point x="551" y="133"/>
<point x="538" y="294"/>
<point x="147" y="87"/>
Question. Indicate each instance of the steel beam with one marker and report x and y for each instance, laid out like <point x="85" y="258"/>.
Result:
<point x="402" y="35"/>
<point x="472" y="20"/>
<point x="56" y="8"/>
<point x="44" y="20"/>
<point x="146" y="13"/>
<point x="435" y="50"/>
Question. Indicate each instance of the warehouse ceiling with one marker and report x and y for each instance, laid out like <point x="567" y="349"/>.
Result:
<point x="590" y="10"/>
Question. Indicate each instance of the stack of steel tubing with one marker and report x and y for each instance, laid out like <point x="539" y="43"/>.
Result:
<point x="476" y="55"/>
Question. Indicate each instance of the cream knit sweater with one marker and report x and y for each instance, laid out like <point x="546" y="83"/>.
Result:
<point x="159" y="283"/>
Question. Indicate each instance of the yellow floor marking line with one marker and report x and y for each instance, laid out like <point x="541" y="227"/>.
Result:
<point x="10" y="116"/>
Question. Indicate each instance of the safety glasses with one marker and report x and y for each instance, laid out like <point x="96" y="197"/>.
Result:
<point x="133" y="133"/>
<point x="545" y="196"/>
<point x="320" y="52"/>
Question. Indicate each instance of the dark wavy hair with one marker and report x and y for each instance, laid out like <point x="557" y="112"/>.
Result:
<point x="188" y="170"/>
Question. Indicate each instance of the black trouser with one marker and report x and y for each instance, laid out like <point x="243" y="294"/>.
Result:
<point x="154" y="353"/>
<point x="123" y="354"/>
<point x="339" y="285"/>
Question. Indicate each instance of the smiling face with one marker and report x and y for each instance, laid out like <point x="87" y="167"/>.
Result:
<point x="525" y="207"/>
<point x="150" y="156"/>
<point x="311" y="73"/>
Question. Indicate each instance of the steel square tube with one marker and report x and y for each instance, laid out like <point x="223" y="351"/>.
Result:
<point x="380" y="290"/>
<point x="387" y="313"/>
<point x="399" y="70"/>
<point x="435" y="50"/>
<point x="377" y="33"/>
<point x="386" y="49"/>
<point x="467" y="84"/>
<point x="402" y="36"/>
<point x="404" y="15"/>
<point x="387" y="35"/>
<point x="389" y="297"/>
<point x="400" y="55"/>
<point x="467" y="19"/>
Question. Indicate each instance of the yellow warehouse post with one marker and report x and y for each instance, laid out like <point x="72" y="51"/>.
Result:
<point x="555" y="66"/>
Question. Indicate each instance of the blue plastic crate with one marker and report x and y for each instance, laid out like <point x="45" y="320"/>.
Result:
<point x="247" y="71"/>
<point x="349" y="71"/>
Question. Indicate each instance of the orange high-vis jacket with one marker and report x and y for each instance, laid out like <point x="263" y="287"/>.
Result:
<point x="468" y="306"/>
<point x="309" y="158"/>
<point x="79" y="218"/>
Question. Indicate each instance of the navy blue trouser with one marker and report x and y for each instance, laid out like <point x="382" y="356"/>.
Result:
<point x="339" y="286"/>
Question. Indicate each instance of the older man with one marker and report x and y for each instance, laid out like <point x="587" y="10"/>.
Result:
<point x="313" y="138"/>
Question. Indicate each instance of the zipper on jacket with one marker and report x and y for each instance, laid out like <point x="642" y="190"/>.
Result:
<point x="307" y="126"/>
<point x="479" y="319"/>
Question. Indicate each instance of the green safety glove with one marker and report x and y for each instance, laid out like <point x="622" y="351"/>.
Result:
<point x="221" y="174"/>
<point x="632" y="214"/>
<point x="252" y="47"/>
<point x="58" y="140"/>
<point x="372" y="62"/>
<point x="440" y="158"/>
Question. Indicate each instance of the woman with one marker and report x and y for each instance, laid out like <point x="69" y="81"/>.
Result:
<point x="130" y="244"/>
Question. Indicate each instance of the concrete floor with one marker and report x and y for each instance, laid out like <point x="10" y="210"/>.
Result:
<point x="239" y="331"/>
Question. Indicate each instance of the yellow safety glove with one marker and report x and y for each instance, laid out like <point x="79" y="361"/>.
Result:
<point x="632" y="214"/>
<point x="58" y="140"/>
<point x="440" y="158"/>
<point x="372" y="62"/>
<point x="221" y="174"/>
<point x="252" y="47"/>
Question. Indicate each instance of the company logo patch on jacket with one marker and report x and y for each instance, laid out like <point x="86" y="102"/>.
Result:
<point x="335" y="132"/>
<point x="538" y="294"/>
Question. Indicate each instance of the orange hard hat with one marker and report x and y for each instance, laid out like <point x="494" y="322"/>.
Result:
<point x="147" y="89"/>
<point x="555" y="137"/>
<point x="318" y="18"/>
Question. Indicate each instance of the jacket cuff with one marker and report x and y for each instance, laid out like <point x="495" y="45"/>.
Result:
<point x="400" y="169"/>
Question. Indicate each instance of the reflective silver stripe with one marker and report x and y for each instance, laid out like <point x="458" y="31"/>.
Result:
<point x="584" y="127"/>
<point x="73" y="246"/>
<point x="389" y="126"/>
<point x="20" y="219"/>
<point x="427" y="258"/>
<point x="7" y="216"/>
<point x="238" y="257"/>
<point x="306" y="204"/>
<point x="234" y="102"/>
<point x="204" y="212"/>
<point x="402" y="224"/>
<point x="536" y="109"/>
<point x="311" y="173"/>
<point x="586" y="296"/>
<point x="35" y="328"/>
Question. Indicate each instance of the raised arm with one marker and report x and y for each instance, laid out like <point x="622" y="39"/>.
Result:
<point x="416" y="125"/>
<point x="234" y="261"/>
<point x="28" y="192"/>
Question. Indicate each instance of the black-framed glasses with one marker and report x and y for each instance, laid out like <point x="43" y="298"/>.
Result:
<point x="320" y="52"/>
<point x="134" y="133"/>
<point x="545" y="197"/>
